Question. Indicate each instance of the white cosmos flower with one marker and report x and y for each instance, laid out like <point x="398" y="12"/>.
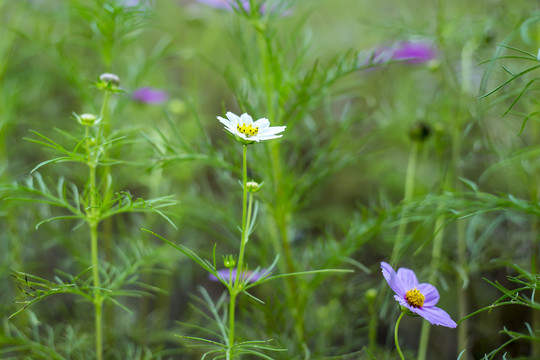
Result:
<point x="247" y="131"/>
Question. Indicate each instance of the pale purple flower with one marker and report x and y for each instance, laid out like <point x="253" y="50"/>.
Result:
<point x="233" y="4"/>
<point x="150" y="95"/>
<point x="251" y="276"/>
<point x="417" y="298"/>
<point x="412" y="52"/>
<point x="226" y="4"/>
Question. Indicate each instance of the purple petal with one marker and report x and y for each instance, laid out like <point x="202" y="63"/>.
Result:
<point x="414" y="52"/>
<point x="250" y="276"/>
<point x="407" y="279"/>
<point x="435" y="316"/>
<point x="225" y="4"/>
<point x="150" y="95"/>
<point x="431" y="294"/>
<point x="392" y="279"/>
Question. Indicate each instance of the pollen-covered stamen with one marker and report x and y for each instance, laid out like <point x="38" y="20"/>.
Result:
<point x="249" y="130"/>
<point x="415" y="298"/>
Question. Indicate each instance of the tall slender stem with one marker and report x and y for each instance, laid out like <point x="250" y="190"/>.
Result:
<point x="93" y="223"/>
<point x="396" y="336"/>
<point x="408" y="194"/>
<point x="235" y="289"/>
<point x="435" y="262"/>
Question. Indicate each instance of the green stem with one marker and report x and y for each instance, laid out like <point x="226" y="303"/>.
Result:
<point x="93" y="223"/>
<point x="435" y="262"/>
<point x="396" y="336"/>
<point x="407" y="196"/>
<point x="98" y="301"/>
<point x="235" y="289"/>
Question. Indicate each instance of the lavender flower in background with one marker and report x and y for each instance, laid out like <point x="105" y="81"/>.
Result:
<point x="225" y="4"/>
<point x="414" y="52"/>
<point x="251" y="276"/>
<point x="233" y="4"/>
<point x="411" y="52"/>
<point x="134" y="3"/>
<point x="418" y="298"/>
<point x="148" y="95"/>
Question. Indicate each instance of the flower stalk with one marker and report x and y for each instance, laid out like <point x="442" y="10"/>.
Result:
<point x="396" y="336"/>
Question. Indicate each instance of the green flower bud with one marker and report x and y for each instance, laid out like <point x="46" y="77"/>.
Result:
<point x="253" y="186"/>
<point x="371" y="295"/>
<point x="229" y="262"/>
<point x="419" y="131"/>
<point x="87" y="119"/>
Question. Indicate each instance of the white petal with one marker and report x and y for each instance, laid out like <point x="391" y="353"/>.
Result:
<point x="225" y="122"/>
<point x="246" y="119"/>
<point x="235" y="120"/>
<point x="272" y="130"/>
<point x="269" y="137"/>
<point x="262" y="123"/>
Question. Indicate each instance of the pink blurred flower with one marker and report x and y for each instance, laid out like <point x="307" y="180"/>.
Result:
<point x="148" y="95"/>
<point x="233" y="4"/>
<point x="412" y="52"/>
<point x="225" y="4"/>
<point x="251" y="276"/>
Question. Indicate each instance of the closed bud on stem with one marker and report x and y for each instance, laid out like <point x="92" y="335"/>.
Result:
<point x="110" y="79"/>
<point x="371" y="295"/>
<point x="253" y="186"/>
<point x="419" y="131"/>
<point x="108" y="82"/>
<point x="87" y="119"/>
<point x="229" y="262"/>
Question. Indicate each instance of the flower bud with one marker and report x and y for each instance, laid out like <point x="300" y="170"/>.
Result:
<point x="371" y="295"/>
<point x="419" y="131"/>
<point x="87" y="119"/>
<point x="229" y="261"/>
<point x="108" y="82"/>
<point x="253" y="186"/>
<point x="109" y="78"/>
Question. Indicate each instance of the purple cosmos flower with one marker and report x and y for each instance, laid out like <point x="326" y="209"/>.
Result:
<point x="150" y="95"/>
<point x="251" y="276"/>
<point x="414" y="52"/>
<point x="417" y="298"/>
<point x="225" y="4"/>
<point x="233" y="4"/>
<point x="411" y="52"/>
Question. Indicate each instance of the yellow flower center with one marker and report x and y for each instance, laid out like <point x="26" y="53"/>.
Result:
<point x="415" y="298"/>
<point x="249" y="130"/>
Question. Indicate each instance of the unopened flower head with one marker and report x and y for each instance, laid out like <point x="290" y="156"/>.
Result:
<point x="419" y="131"/>
<point x="247" y="131"/>
<point x="229" y="261"/>
<point x="110" y="78"/>
<point x="419" y="299"/>
<point x="109" y="82"/>
<point x="253" y="186"/>
<point x="87" y="119"/>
